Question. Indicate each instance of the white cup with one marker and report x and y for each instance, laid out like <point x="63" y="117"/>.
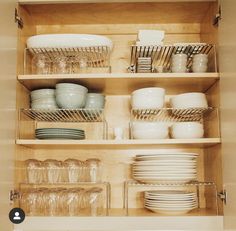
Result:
<point x="118" y="133"/>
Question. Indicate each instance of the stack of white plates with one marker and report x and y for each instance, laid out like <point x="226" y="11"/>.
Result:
<point x="165" y="167"/>
<point x="43" y="99"/>
<point x="59" y="133"/>
<point x="170" y="202"/>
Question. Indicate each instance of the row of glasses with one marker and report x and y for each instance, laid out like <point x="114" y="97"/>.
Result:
<point x="62" y="201"/>
<point x="70" y="171"/>
<point x="61" y="64"/>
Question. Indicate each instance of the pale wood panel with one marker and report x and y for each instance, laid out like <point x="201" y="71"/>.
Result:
<point x="125" y="83"/>
<point x="101" y="1"/>
<point x="119" y="29"/>
<point x="227" y="55"/>
<point x="8" y="54"/>
<point x="209" y="33"/>
<point x="111" y="144"/>
<point x="198" y="222"/>
<point x="118" y="13"/>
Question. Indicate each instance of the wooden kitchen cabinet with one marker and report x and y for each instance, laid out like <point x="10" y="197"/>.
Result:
<point x="189" y="21"/>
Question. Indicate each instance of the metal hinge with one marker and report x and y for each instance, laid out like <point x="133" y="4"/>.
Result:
<point x="14" y="195"/>
<point x="217" y="18"/>
<point x="223" y="196"/>
<point x="18" y="20"/>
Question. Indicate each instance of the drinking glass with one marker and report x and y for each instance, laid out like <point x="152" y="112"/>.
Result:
<point x="93" y="170"/>
<point x="35" y="171"/>
<point x="41" y="64"/>
<point x="54" y="171"/>
<point x="61" y="65"/>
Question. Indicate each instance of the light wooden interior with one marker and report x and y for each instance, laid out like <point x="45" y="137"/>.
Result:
<point x="183" y="22"/>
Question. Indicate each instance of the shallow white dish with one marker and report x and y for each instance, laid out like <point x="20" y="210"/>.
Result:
<point x="67" y="41"/>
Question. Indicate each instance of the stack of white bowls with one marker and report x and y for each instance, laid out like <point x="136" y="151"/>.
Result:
<point x="95" y="101"/>
<point x="187" y="130"/>
<point x="170" y="202"/>
<point x="150" y="130"/>
<point x="189" y="100"/>
<point x="165" y="167"/>
<point x="70" y="96"/>
<point x="148" y="98"/>
<point x="179" y="63"/>
<point x="200" y="63"/>
<point x="43" y="99"/>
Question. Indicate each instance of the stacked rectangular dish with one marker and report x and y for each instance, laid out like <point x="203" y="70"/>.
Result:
<point x="165" y="168"/>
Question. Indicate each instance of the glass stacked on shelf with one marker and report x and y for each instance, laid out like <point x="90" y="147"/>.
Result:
<point x="52" y="171"/>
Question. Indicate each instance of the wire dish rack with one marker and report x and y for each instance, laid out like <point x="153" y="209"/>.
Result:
<point x="96" y="57"/>
<point x="170" y="114"/>
<point x="82" y="116"/>
<point x="161" y="55"/>
<point x="65" y="115"/>
<point x="202" y="189"/>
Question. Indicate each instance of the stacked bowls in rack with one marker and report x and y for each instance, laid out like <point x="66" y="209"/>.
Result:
<point x="200" y="63"/>
<point x="59" y="133"/>
<point x="150" y="130"/>
<point x="189" y="100"/>
<point x="43" y="99"/>
<point x="170" y="202"/>
<point x="148" y="98"/>
<point x="70" y="96"/>
<point x="179" y="63"/>
<point x="165" y="167"/>
<point x="188" y="105"/>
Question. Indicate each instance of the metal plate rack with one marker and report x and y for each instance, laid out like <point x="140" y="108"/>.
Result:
<point x="161" y="55"/>
<point x="197" y="186"/>
<point x="66" y="116"/>
<point x="170" y="114"/>
<point x="173" y="115"/>
<point x="106" y="187"/>
<point x="97" y="56"/>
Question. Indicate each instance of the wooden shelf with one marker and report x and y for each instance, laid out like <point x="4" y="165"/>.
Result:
<point x="120" y="144"/>
<point x="101" y="1"/>
<point x="203" y="219"/>
<point x="125" y="83"/>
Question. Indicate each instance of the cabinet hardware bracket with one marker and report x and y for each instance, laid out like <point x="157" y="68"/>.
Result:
<point x="223" y="196"/>
<point x="217" y="18"/>
<point x="18" y="20"/>
<point x="14" y="195"/>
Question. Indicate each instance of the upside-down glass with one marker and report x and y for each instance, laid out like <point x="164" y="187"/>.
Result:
<point x="41" y="64"/>
<point x="35" y="171"/>
<point x="54" y="171"/>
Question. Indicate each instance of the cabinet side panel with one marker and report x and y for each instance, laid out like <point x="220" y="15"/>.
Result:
<point x="7" y="107"/>
<point x="227" y="56"/>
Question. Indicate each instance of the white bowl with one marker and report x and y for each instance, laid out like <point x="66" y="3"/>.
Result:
<point x="152" y="97"/>
<point x="42" y="93"/>
<point x="150" y="130"/>
<point x="199" y="68"/>
<point x="178" y="69"/>
<point x="189" y="100"/>
<point x="70" y="100"/>
<point x="44" y="106"/>
<point x="68" y="40"/>
<point x="44" y="101"/>
<point x="64" y="87"/>
<point x="187" y="130"/>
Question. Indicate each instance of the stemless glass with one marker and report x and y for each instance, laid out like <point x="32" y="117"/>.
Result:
<point x="93" y="170"/>
<point x="41" y="64"/>
<point x="35" y="171"/>
<point x="61" y="65"/>
<point x="80" y="63"/>
<point x="52" y="198"/>
<point x="54" y="171"/>
<point x="72" y="169"/>
<point x="95" y="201"/>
